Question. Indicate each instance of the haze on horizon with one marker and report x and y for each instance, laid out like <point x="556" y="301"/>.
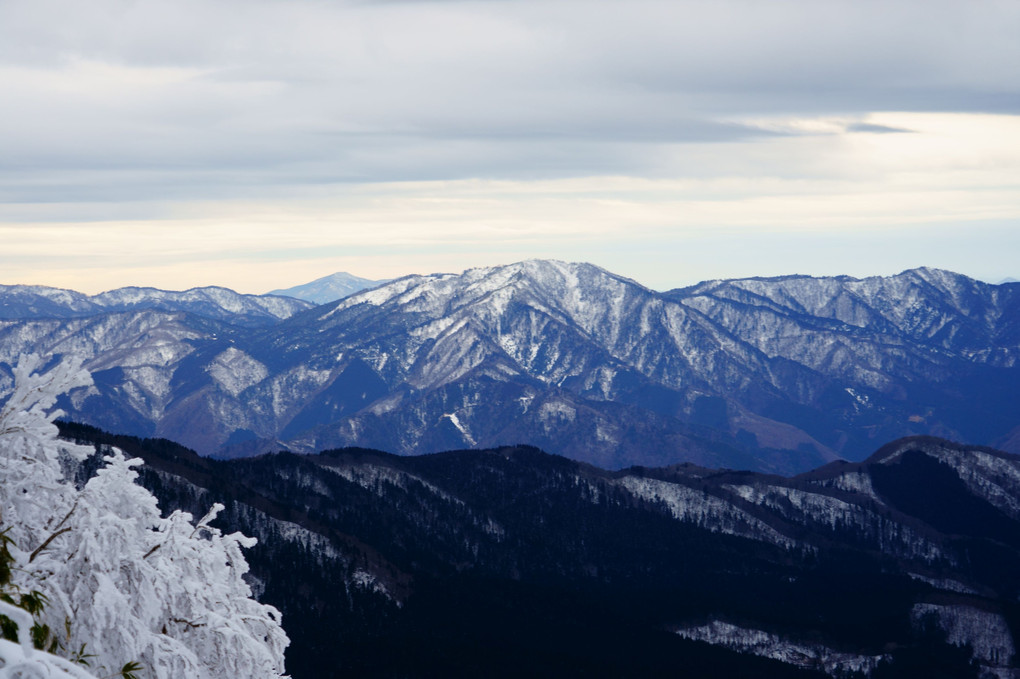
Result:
<point x="260" y="145"/>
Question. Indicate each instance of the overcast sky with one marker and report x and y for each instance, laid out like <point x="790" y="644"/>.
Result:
<point x="259" y="144"/>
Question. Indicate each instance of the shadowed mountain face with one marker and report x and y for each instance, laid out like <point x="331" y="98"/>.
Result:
<point x="511" y="562"/>
<point x="772" y="374"/>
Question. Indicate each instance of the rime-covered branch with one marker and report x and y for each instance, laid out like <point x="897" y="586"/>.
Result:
<point x="112" y="565"/>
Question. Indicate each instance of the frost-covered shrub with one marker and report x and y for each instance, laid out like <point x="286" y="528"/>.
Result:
<point x="122" y="584"/>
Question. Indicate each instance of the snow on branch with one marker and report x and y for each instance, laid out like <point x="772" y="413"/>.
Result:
<point x="166" y="593"/>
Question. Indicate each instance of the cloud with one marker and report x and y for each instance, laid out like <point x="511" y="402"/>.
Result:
<point x="941" y="196"/>
<point x="218" y="97"/>
<point x="874" y="129"/>
<point x="154" y="133"/>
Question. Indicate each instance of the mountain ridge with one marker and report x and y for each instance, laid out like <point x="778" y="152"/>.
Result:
<point x="835" y="571"/>
<point x="36" y="302"/>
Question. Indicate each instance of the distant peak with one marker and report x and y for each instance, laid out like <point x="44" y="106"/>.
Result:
<point x="942" y="279"/>
<point x="329" y="288"/>
<point x="541" y="270"/>
<point x="930" y="273"/>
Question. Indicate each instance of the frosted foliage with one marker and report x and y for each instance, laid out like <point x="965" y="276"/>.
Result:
<point x="21" y="661"/>
<point x="164" y="592"/>
<point x="33" y="494"/>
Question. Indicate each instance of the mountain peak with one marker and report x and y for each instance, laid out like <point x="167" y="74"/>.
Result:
<point x="940" y="278"/>
<point x="329" y="288"/>
<point x="565" y="287"/>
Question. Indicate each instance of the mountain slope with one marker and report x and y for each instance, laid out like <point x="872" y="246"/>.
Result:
<point x="612" y="368"/>
<point x="603" y="360"/>
<point x="778" y="375"/>
<point x="511" y="562"/>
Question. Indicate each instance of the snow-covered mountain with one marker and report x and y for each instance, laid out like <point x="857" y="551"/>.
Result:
<point x="839" y="570"/>
<point x="929" y="308"/>
<point x="329" y="288"/>
<point x="38" y="302"/>
<point x="775" y="374"/>
<point x="581" y="361"/>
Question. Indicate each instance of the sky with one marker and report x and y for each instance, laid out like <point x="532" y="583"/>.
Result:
<point x="260" y="144"/>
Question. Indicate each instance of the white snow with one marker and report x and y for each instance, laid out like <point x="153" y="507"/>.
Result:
<point x="944" y="584"/>
<point x="369" y="476"/>
<point x="287" y="387"/>
<point x="803" y="507"/>
<point x="366" y="580"/>
<point x="853" y="482"/>
<point x="378" y="296"/>
<point x="455" y="421"/>
<point x="21" y="661"/>
<point x="555" y="410"/>
<point x="235" y="371"/>
<point x="813" y="507"/>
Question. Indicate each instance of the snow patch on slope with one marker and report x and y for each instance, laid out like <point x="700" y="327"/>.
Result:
<point x="704" y="510"/>
<point x="806" y="508"/>
<point x="768" y="645"/>
<point x="455" y="421"/>
<point x="235" y="371"/>
<point x="986" y="632"/>
<point x="944" y="584"/>
<point x="556" y="410"/>
<point x="370" y="476"/>
<point x="852" y="482"/>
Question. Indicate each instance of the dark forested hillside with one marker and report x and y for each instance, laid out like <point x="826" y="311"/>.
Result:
<point x="512" y="562"/>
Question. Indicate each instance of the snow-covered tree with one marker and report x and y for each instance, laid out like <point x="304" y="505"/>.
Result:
<point x="19" y="660"/>
<point x="34" y="495"/>
<point x="121" y="583"/>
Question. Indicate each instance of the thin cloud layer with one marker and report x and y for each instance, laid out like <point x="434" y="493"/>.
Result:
<point x="657" y="118"/>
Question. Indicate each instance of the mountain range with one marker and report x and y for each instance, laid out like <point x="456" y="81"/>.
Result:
<point x="777" y="374"/>
<point x="511" y="562"/>
<point x="24" y="302"/>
